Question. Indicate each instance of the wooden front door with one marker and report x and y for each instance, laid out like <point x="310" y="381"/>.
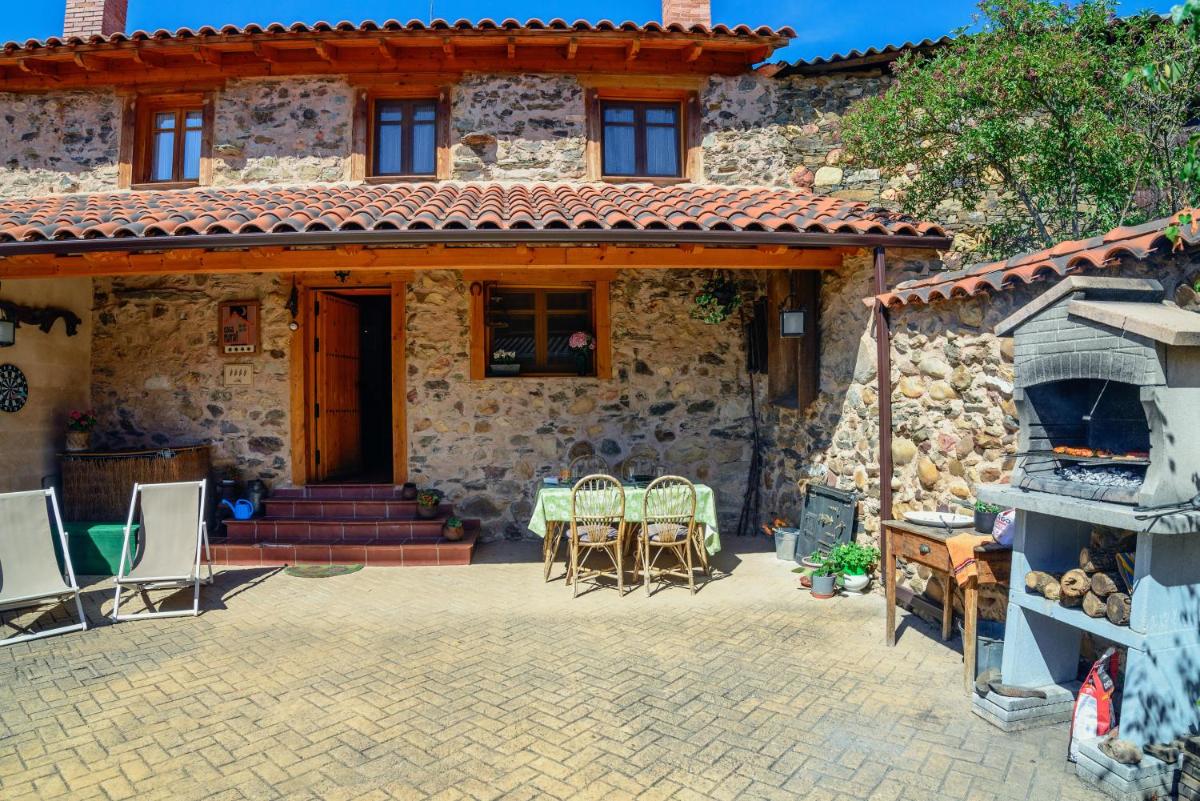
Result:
<point x="338" y="411"/>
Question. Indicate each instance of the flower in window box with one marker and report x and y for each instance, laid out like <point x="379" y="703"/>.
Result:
<point x="504" y="362"/>
<point x="582" y="344"/>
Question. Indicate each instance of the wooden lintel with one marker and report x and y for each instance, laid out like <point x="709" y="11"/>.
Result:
<point x="412" y="259"/>
<point x="572" y="48"/>
<point x="694" y="52"/>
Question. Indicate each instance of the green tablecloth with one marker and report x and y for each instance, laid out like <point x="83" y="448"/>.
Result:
<point x="554" y="505"/>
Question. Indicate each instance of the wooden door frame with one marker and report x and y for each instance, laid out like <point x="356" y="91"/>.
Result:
<point x="303" y="367"/>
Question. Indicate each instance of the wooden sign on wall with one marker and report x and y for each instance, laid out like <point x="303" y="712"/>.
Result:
<point x="238" y="326"/>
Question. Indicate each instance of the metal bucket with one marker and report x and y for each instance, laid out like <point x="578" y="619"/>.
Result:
<point x="785" y="544"/>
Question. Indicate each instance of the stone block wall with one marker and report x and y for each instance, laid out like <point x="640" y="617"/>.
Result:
<point x="157" y="372"/>
<point x="679" y="393"/>
<point x="57" y="369"/>
<point x="282" y="131"/>
<point x="58" y="142"/>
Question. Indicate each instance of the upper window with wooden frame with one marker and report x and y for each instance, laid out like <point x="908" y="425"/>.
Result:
<point x="649" y="135"/>
<point x="402" y="135"/>
<point x="170" y="144"/>
<point x="540" y="330"/>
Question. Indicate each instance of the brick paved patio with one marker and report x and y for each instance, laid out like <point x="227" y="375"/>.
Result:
<point x="482" y="682"/>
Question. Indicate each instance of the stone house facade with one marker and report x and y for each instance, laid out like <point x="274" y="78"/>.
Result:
<point x="676" y="389"/>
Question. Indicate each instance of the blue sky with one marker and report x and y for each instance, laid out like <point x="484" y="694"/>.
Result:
<point x="823" y="26"/>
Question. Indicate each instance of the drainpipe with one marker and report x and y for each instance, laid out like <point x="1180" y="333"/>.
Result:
<point x="883" y="376"/>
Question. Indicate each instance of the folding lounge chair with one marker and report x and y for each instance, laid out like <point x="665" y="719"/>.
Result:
<point x="29" y="572"/>
<point x="166" y="554"/>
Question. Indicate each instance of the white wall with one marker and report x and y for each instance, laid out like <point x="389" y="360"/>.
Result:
<point x="58" y="369"/>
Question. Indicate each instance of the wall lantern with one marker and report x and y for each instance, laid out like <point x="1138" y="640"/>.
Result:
<point x="791" y="320"/>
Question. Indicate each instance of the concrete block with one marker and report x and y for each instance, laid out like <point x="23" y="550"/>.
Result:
<point x="1015" y="714"/>
<point x="1150" y="780"/>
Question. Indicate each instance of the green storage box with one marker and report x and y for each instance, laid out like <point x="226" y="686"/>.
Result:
<point x="95" y="547"/>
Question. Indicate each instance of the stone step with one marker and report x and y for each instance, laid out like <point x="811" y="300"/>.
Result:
<point x="335" y="492"/>
<point x="297" y="530"/>
<point x="310" y="509"/>
<point x="425" y="551"/>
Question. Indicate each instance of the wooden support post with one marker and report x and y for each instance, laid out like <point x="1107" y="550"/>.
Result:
<point x="883" y="372"/>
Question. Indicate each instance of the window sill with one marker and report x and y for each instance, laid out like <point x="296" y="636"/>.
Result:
<point x="632" y="179"/>
<point x="146" y="185"/>
<point x="401" y="179"/>
<point x="520" y="376"/>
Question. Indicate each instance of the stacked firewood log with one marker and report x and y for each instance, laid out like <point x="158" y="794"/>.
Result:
<point x="1096" y="586"/>
<point x="1189" y="777"/>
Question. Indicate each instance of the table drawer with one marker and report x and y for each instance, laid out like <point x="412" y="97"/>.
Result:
<point x="926" y="552"/>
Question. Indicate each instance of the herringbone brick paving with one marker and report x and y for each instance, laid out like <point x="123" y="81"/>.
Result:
<point x="484" y="683"/>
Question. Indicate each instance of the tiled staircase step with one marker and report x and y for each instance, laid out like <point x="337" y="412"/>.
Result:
<point x="418" y="552"/>
<point x="288" y="529"/>
<point x="345" y="492"/>
<point x="345" y="509"/>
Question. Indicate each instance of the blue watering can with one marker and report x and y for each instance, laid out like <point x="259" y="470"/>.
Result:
<point x="242" y="509"/>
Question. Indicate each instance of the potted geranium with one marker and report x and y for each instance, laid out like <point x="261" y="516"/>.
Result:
<point x="79" y="430"/>
<point x="717" y="300"/>
<point x="428" y="501"/>
<point x="824" y="579"/>
<point x="504" y="362"/>
<point x="853" y="562"/>
<point x="453" y="529"/>
<point x="582" y="345"/>
<point x="985" y="517"/>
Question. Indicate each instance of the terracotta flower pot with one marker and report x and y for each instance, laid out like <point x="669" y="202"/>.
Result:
<point x="79" y="440"/>
<point x="408" y="492"/>
<point x="453" y="534"/>
<point x="427" y="512"/>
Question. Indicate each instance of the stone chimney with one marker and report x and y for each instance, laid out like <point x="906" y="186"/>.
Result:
<point x="86" y="18"/>
<point x="687" y="12"/>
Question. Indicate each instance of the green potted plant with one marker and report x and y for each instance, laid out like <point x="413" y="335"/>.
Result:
<point x="853" y="562"/>
<point x="428" y="501"/>
<point x="717" y="300"/>
<point x="504" y="362"/>
<point x="824" y="580"/>
<point x="582" y="346"/>
<point x="985" y="516"/>
<point x="453" y="529"/>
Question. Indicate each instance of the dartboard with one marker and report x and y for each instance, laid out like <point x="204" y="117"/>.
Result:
<point x="14" y="389"/>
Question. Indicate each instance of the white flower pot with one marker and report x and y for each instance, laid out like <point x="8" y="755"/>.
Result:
<point x="856" y="583"/>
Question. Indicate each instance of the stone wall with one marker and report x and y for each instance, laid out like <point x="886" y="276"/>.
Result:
<point x="57" y="369"/>
<point x="58" y="142"/>
<point x="283" y="130"/>
<point x="679" y="393"/>
<point x="158" y="373"/>
<point x="518" y="128"/>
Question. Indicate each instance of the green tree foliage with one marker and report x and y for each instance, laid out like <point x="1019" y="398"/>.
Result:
<point x="1034" y="110"/>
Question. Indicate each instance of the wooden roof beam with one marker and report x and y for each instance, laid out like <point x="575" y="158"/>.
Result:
<point x="206" y="55"/>
<point x="268" y="54"/>
<point x="572" y="48"/>
<point x="632" y="49"/>
<point x="31" y="67"/>
<point x="694" y="52"/>
<point x="512" y="48"/>
<point x="325" y="51"/>
<point x="448" y="46"/>
<point x="86" y="63"/>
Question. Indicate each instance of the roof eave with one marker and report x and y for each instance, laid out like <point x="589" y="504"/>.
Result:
<point x="532" y="237"/>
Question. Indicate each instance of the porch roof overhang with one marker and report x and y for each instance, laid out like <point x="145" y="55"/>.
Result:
<point x="425" y="225"/>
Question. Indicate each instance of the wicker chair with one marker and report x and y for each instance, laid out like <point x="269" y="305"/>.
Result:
<point x="597" y="527"/>
<point x="668" y="525"/>
<point x="591" y="464"/>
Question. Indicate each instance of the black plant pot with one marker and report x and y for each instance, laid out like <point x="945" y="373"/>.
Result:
<point x="985" y="521"/>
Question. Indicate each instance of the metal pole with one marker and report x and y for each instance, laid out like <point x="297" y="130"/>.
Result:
<point x="883" y="371"/>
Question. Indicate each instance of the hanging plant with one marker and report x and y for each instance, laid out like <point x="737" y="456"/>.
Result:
<point x="718" y="299"/>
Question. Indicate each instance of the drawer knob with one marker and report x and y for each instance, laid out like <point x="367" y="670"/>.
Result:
<point x="924" y="549"/>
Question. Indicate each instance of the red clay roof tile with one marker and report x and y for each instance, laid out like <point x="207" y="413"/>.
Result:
<point x="441" y="206"/>
<point x="1138" y="241"/>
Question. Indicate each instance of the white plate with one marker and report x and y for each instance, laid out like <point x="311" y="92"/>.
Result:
<point x="939" y="519"/>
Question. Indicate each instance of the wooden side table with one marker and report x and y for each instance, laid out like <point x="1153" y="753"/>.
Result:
<point x="926" y="545"/>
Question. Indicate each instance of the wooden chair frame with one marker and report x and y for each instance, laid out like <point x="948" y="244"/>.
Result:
<point x="597" y="505"/>
<point x="669" y="502"/>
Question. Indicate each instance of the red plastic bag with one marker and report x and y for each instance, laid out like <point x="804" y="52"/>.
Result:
<point x="1094" y="715"/>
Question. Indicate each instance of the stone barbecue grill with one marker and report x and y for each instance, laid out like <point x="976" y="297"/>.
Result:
<point x="1107" y="389"/>
<point x="1107" y="393"/>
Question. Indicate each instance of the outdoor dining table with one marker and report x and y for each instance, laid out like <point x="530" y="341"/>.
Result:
<point x="552" y="513"/>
